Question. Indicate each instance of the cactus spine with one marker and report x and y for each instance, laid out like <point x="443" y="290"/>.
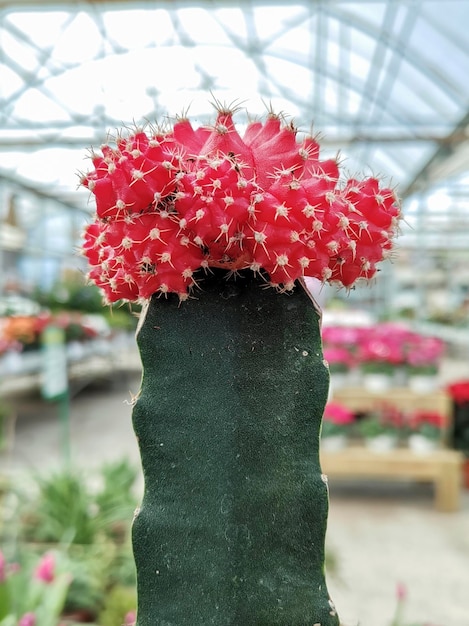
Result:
<point x="232" y="524"/>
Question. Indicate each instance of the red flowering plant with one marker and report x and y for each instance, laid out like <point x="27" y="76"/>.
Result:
<point x="386" y="419"/>
<point x="429" y="424"/>
<point x="459" y="391"/>
<point x="338" y="420"/>
<point x="175" y="201"/>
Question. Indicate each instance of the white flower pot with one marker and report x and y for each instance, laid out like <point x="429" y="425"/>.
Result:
<point x="421" y="383"/>
<point x="381" y="443"/>
<point x="377" y="383"/>
<point x="333" y="443"/>
<point x="336" y="381"/>
<point x="421" y="444"/>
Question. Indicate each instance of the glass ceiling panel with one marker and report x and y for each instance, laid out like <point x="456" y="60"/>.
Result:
<point x="383" y="81"/>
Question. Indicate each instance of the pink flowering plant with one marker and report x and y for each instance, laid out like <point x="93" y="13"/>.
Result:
<point x="339" y="359"/>
<point x="399" y="617"/>
<point x="32" y="596"/>
<point x="381" y="348"/>
<point x="337" y="420"/>
<point x="170" y="202"/>
<point x="424" y="354"/>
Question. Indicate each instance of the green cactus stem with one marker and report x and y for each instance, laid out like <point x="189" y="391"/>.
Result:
<point x="232" y="525"/>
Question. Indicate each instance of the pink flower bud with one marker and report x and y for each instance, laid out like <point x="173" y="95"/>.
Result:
<point x="28" y="619"/>
<point x="401" y="591"/>
<point x="45" y="569"/>
<point x="3" y="574"/>
<point x="130" y="618"/>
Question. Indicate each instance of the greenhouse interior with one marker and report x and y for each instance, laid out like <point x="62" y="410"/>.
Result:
<point x="320" y="149"/>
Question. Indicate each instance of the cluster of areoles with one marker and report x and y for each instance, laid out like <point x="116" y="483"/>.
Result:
<point x="169" y="203"/>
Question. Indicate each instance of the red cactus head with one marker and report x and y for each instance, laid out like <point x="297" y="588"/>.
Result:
<point x="171" y="202"/>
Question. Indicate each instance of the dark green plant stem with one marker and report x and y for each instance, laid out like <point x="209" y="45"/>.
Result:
<point x="232" y="525"/>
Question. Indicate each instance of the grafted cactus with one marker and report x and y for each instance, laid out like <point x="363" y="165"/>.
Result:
<point x="232" y="524"/>
<point x="198" y="222"/>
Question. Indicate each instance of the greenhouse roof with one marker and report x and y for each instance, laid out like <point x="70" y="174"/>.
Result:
<point x="383" y="82"/>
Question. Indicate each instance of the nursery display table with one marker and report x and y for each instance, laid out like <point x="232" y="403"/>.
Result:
<point x="360" y="399"/>
<point x="24" y="383"/>
<point x="443" y="468"/>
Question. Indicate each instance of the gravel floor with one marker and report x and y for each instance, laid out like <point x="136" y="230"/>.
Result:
<point x="379" y="535"/>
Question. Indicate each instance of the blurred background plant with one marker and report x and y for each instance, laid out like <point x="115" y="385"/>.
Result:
<point x="429" y="424"/>
<point x="338" y="420"/>
<point x="398" y="618"/>
<point x="75" y="294"/>
<point x="32" y="593"/>
<point x="86" y="522"/>
<point x="386" y="420"/>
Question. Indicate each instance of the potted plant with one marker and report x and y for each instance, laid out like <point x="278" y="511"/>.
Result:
<point x="336" y="426"/>
<point x="459" y="435"/>
<point x="381" y="428"/>
<point x="425" y="430"/>
<point x="339" y="361"/>
<point x="423" y="358"/>
<point x="214" y="233"/>
<point x="380" y="352"/>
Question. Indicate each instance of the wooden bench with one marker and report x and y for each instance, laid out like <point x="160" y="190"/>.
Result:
<point x="360" y="399"/>
<point x="443" y="468"/>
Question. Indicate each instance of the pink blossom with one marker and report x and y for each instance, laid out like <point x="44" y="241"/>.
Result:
<point x="337" y="355"/>
<point x="380" y="344"/>
<point x="130" y="618"/>
<point x="424" y="350"/>
<point x="3" y="574"/>
<point x="338" y="413"/>
<point x="401" y="591"/>
<point x="45" y="569"/>
<point x="28" y="619"/>
<point x="340" y="335"/>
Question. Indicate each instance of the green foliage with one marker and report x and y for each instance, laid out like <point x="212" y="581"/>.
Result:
<point x="123" y="318"/>
<point x="76" y="295"/>
<point x="120" y="602"/>
<point x="67" y="510"/>
<point x="89" y="520"/>
<point x="115" y="501"/>
<point x="5" y="416"/>
<point x="61" y="512"/>
<point x="25" y="592"/>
